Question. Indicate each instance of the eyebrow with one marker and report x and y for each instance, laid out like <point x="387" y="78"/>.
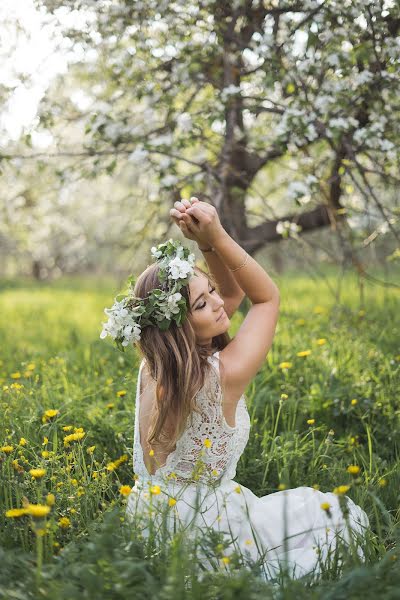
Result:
<point x="198" y="298"/>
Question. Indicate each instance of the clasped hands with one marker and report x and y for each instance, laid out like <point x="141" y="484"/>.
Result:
<point x="188" y="223"/>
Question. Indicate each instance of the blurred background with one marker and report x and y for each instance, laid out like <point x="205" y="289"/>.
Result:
<point x="283" y="115"/>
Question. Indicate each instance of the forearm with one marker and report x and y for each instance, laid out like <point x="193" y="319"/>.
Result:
<point x="227" y="284"/>
<point x="251" y="278"/>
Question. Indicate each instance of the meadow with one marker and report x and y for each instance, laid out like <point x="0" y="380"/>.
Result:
<point x="326" y="399"/>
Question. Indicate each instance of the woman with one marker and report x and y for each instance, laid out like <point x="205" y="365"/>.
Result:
<point x="191" y="419"/>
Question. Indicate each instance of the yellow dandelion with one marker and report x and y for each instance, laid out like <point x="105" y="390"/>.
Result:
<point x="382" y="482"/>
<point x="16" y="386"/>
<point x="67" y="427"/>
<point x="78" y="430"/>
<point x="7" y="449"/>
<point x="37" y="473"/>
<point x="354" y="402"/>
<point x="15" y="512"/>
<point x="51" y="413"/>
<point x="45" y="453"/>
<point x="353" y="469"/>
<point x="304" y="353"/>
<point x="37" y="510"/>
<point x="285" y="365"/>
<point x="111" y="466"/>
<point x="45" y="441"/>
<point x="321" y="341"/>
<point x="171" y="502"/>
<point x="155" y="489"/>
<point x="64" y="522"/>
<point x="310" y="421"/>
<point x="319" y="310"/>
<point x="341" y="490"/>
<point x="110" y="405"/>
<point x="207" y="443"/>
<point x="73" y="437"/>
<point x="121" y="393"/>
<point x="22" y="442"/>
<point x="325" y="506"/>
<point x="50" y="499"/>
<point x="15" y="375"/>
<point x="91" y="449"/>
<point x="125" y="490"/>
<point x="31" y="366"/>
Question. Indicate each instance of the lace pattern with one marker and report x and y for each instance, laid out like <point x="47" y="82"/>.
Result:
<point x="191" y="461"/>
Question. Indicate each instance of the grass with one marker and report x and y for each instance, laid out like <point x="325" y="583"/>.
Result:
<point x="334" y="406"/>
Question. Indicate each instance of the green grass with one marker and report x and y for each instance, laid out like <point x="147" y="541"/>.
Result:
<point x="56" y="327"/>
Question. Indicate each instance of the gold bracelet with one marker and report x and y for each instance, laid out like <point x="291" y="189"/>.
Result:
<point x="245" y="261"/>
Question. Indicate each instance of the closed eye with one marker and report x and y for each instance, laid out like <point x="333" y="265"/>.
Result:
<point x="203" y="305"/>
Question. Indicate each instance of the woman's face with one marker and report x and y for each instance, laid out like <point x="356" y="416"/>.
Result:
<point x="206" y="306"/>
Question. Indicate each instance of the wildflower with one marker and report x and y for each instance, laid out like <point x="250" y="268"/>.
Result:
<point x="109" y="381"/>
<point x="226" y="560"/>
<point x="325" y="506"/>
<point x="171" y="502"/>
<point x="15" y="512"/>
<point x="78" y="430"/>
<point x="341" y="490"/>
<point x="285" y="365"/>
<point x="125" y="490"/>
<point x="37" y="473"/>
<point x="207" y="443"/>
<point x="110" y="405"/>
<point x="284" y="396"/>
<point x="121" y="393"/>
<point x="50" y="499"/>
<point x="310" y="421"/>
<point x="64" y="522"/>
<point x="80" y="492"/>
<point x="22" y="442"/>
<point x="67" y="427"/>
<point x="300" y="322"/>
<point x="51" y="413"/>
<point x="353" y="469"/>
<point x="248" y="542"/>
<point x="281" y="486"/>
<point x="151" y="453"/>
<point x="155" y="489"/>
<point x="382" y="482"/>
<point x="91" y="449"/>
<point x="45" y="441"/>
<point x="37" y="510"/>
<point x="354" y="401"/>
<point x="214" y="472"/>
<point x="15" y="375"/>
<point x="45" y="454"/>
<point x="7" y="449"/>
<point x="28" y="373"/>
<point x="318" y="310"/>
<point x="321" y="341"/>
<point x="73" y="437"/>
<point x="16" y="386"/>
<point x="316" y="486"/>
<point x="111" y="466"/>
<point x="31" y="366"/>
<point x="304" y="353"/>
<point x="74" y="482"/>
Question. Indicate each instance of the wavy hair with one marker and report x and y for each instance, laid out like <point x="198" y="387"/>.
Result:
<point x="176" y="362"/>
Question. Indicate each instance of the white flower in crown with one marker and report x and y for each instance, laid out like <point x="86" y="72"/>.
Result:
<point x="128" y="316"/>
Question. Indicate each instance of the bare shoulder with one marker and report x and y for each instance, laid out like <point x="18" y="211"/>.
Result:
<point x="245" y="354"/>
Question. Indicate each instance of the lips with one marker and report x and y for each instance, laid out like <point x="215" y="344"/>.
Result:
<point x="221" y="315"/>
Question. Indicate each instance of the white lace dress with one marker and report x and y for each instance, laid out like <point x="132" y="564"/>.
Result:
<point x="286" y="529"/>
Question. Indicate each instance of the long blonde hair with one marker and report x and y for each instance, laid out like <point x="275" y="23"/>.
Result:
<point x="177" y="364"/>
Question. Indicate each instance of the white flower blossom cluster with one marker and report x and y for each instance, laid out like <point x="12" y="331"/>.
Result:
<point x="288" y="229"/>
<point x="128" y="316"/>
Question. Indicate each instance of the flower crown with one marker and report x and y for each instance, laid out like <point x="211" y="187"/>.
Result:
<point x="130" y="314"/>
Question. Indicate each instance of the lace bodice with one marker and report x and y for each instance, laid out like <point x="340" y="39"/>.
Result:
<point x="192" y="461"/>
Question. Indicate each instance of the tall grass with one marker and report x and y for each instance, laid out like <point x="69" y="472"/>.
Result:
<point x="326" y="398"/>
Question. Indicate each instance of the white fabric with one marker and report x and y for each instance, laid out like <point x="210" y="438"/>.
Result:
<point x="287" y="529"/>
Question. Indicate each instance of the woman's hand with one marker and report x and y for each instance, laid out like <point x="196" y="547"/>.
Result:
<point x="197" y="220"/>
